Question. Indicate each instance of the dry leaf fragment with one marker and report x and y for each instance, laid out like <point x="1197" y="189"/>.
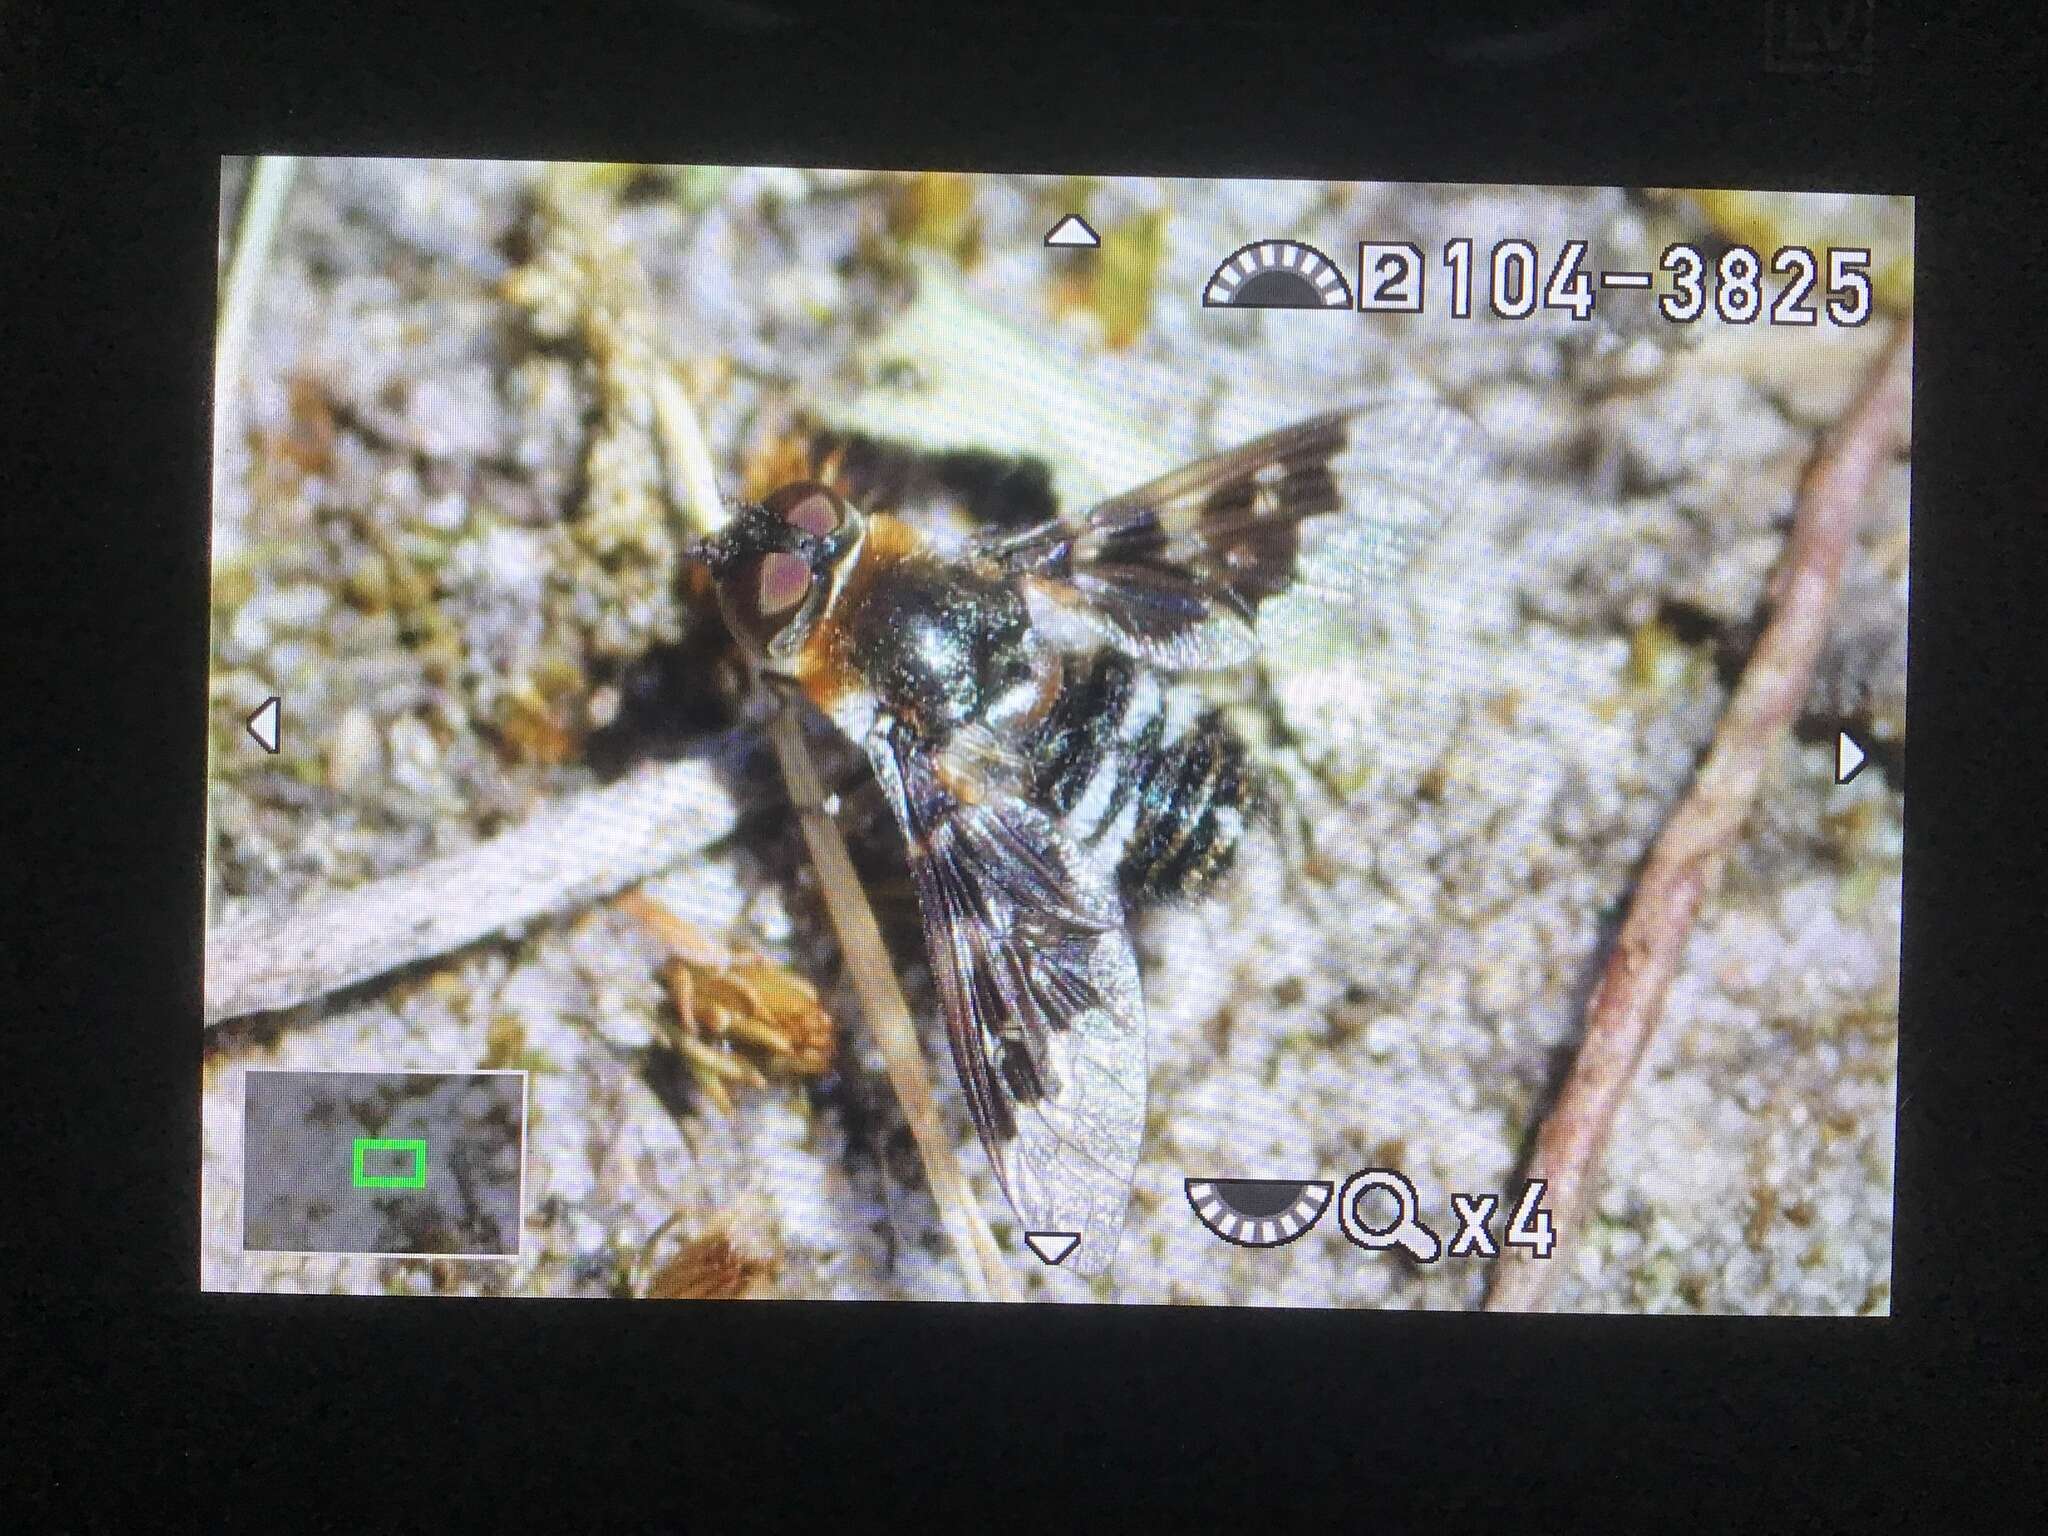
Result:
<point x="936" y="209"/>
<point x="707" y="1269"/>
<point x="739" y="1016"/>
<point x="1118" y="284"/>
<point x="712" y="1266"/>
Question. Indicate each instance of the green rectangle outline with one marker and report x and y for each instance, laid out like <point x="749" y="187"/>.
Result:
<point x="417" y="1179"/>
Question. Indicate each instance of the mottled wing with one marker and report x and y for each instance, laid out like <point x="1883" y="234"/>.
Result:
<point x="1041" y="997"/>
<point x="1177" y="571"/>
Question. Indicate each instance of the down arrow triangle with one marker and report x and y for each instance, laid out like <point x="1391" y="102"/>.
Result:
<point x="1052" y="1247"/>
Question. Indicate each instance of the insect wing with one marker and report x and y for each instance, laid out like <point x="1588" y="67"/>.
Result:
<point x="1410" y="467"/>
<point x="1040" y="992"/>
<point x="1180" y="571"/>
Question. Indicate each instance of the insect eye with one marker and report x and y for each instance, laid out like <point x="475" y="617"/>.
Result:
<point x="1258" y="1213"/>
<point x="785" y="581"/>
<point x="808" y="509"/>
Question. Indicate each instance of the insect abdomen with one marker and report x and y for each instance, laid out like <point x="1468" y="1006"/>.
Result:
<point x="1133" y="769"/>
<point x="1191" y="813"/>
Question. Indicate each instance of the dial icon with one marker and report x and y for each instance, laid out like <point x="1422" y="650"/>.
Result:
<point x="1258" y="1213"/>
<point x="1276" y="274"/>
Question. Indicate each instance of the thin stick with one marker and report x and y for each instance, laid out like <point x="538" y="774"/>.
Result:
<point x="881" y="1000"/>
<point x="685" y="457"/>
<point x="563" y="858"/>
<point x="1689" y="854"/>
<point x="270" y="185"/>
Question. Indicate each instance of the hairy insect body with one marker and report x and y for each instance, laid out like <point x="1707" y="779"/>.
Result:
<point x="1139" y="773"/>
<point x="943" y="647"/>
<point x="1138" y="767"/>
<point x="1013" y="702"/>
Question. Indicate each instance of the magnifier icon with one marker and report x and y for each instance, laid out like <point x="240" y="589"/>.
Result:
<point x="1406" y="1232"/>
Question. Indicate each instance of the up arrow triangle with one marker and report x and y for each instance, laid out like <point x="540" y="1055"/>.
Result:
<point x="1052" y="1247"/>
<point x="264" y="722"/>
<point x="1072" y="230"/>
<point x="1849" y="758"/>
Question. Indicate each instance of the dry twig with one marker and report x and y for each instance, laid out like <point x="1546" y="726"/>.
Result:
<point x="562" y="859"/>
<point x="1686" y="862"/>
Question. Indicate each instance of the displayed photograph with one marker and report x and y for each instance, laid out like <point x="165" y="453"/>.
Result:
<point x="847" y="734"/>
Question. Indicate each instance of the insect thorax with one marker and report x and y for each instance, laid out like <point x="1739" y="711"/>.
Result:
<point x="942" y="646"/>
<point x="1145" y="773"/>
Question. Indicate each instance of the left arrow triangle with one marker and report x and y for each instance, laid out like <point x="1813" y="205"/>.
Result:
<point x="266" y="722"/>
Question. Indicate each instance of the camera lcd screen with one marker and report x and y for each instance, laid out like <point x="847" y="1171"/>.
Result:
<point x="841" y="734"/>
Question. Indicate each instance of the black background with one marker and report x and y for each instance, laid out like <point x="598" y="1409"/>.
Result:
<point x="129" y="1397"/>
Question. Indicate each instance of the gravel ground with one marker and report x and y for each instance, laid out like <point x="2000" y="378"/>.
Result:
<point x="418" y="548"/>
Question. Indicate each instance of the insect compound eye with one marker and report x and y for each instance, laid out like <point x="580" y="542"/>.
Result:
<point x="809" y="509"/>
<point x="784" y="582"/>
<point x="1258" y="1213"/>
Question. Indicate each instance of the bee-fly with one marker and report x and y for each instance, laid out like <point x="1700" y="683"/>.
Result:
<point x="1046" y="777"/>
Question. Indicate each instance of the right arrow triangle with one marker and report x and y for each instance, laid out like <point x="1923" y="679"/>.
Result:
<point x="1849" y="758"/>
